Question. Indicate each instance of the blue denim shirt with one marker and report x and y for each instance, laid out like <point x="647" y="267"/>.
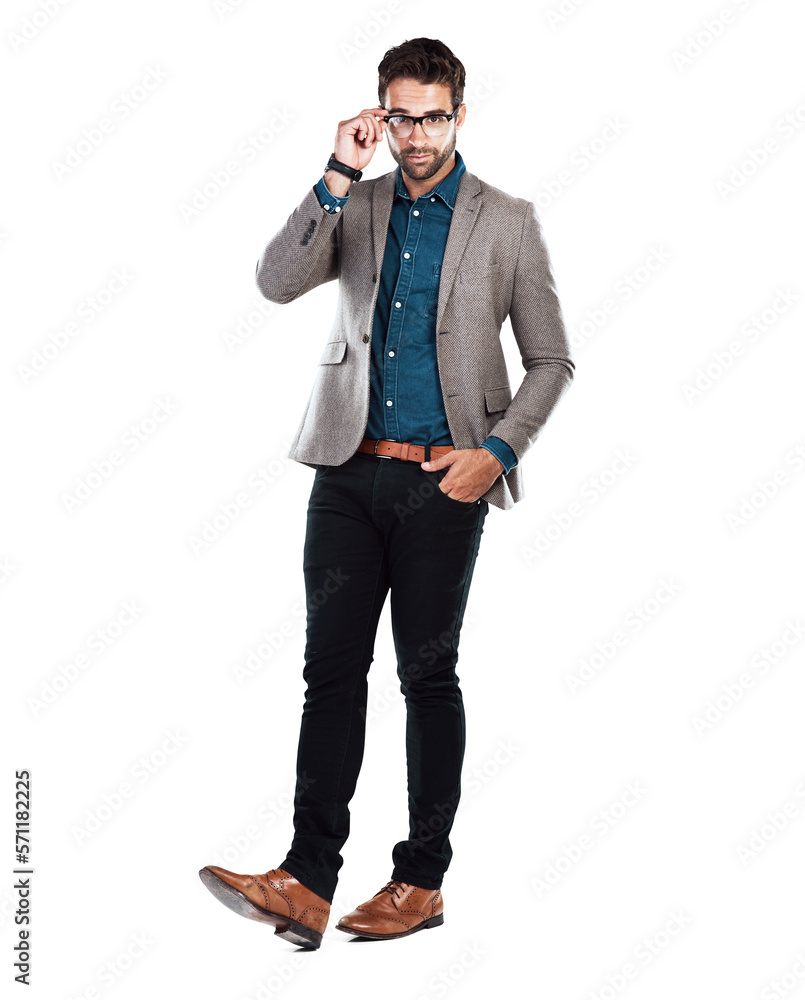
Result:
<point x="405" y="400"/>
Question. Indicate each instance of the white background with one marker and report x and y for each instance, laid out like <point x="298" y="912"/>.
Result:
<point x="682" y="887"/>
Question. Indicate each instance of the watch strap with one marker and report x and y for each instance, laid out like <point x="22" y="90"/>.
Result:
<point x="342" y="168"/>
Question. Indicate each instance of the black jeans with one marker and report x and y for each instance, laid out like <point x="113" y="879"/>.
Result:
<point x="376" y="525"/>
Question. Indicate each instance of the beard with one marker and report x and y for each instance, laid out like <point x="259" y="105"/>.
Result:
<point x="421" y="171"/>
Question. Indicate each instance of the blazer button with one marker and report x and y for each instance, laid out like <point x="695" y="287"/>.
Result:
<point x="365" y="338"/>
<point x="374" y="277"/>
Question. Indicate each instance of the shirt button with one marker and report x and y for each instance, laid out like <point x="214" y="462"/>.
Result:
<point x="391" y="354"/>
<point x="416" y="211"/>
<point x="327" y="207"/>
<point x="406" y="255"/>
<point x="398" y="304"/>
<point x="338" y="208"/>
<point x="433" y="199"/>
<point x="388" y="402"/>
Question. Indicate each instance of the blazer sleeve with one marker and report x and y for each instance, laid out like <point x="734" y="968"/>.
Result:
<point x="539" y="329"/>
<point x="303" y="254"/>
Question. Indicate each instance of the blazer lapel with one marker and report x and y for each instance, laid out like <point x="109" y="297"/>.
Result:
<point x="382" y="199"/>
<point x="465" y="214"/>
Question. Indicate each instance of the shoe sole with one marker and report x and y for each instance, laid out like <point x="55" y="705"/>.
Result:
<point x="286" y="928"/>
<point x="431" y="922"/>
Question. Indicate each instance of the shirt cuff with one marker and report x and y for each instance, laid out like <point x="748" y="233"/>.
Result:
<point x="331" y="203"/>
<point x="502" y="453"/>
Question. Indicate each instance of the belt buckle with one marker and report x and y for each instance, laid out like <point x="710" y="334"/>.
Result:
<point x="377" y="442"/>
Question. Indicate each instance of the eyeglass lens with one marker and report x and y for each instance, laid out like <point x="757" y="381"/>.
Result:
<point x="432" y="126"/>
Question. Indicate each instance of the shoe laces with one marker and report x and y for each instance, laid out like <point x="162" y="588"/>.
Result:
<point x="392" y="887"/>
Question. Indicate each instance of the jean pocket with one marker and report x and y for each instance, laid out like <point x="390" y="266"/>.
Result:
<point x="466" y="504"/>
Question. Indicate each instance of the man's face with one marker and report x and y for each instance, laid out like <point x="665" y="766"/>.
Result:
<point x="420" y="155"/>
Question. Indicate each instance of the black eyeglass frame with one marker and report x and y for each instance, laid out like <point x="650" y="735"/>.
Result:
<point x="418" y="121"/>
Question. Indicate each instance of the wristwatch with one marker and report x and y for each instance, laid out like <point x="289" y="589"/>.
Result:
<point x="342" y="168"/>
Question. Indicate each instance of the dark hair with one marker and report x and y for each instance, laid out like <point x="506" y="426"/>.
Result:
<point x="426" y="60"/>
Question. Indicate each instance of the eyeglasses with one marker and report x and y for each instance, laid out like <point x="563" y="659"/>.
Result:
<point x="402" y="125"/>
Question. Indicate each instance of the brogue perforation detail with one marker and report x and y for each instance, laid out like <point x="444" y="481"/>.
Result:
<point x="262" y="889"/>
<point x="279" y="888"/>
<point x="383" y="917"/>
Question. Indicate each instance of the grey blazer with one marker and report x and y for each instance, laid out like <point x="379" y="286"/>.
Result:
<point x="495" y="265"/>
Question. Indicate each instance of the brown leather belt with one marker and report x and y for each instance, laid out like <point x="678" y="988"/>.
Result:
<point x="403" y="450"/>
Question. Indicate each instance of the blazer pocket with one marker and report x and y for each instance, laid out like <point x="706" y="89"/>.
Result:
<point x="497" y="399"/>
<point x="333" y="352"/>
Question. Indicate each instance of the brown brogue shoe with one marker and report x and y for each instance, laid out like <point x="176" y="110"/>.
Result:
<point x="396" y="910"/>
<point x="277" y="898"/>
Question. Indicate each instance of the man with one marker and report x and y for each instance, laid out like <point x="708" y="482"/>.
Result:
<point x="413" y="432"/>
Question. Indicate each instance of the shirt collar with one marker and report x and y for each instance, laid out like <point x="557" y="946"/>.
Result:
<point x="447" y="188"/>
